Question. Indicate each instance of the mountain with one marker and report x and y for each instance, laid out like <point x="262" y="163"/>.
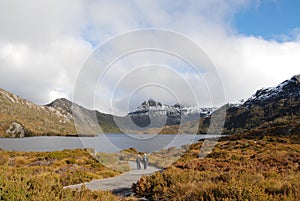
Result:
<point x="268" y="108"/>
<point x="274" y="110"/>
<point x="152" y="114"/>
<point x="19" y="117"/>
<point x="87" y="121"/>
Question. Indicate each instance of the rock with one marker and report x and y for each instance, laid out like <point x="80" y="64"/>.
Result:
<point x="16" y="130"/>
<point x="297" y="79"/>
<point x="269" y="106"/>
<point x="286" y="90"/>
<point x="155" y="114"/>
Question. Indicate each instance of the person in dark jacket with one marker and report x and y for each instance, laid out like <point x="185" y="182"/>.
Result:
<point x="145" y="161"/>
<point x="138" y="162"/>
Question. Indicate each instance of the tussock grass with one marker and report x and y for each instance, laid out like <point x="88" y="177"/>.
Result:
<point x="237" y="169"/>
<point x="42" y="175"/>
<point x="36" y="120"/>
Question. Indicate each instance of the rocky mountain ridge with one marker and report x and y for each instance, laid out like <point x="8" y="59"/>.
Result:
<point x="276" y="107"/>
<point x="22" y="117"/>
<point x="287" y="89"/>
<point x="170" y="114"/>
<point x="86" y="121"/>
<point x="268" y="107"/>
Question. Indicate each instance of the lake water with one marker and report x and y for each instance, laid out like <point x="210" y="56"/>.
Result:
<point x="102" y="143"/>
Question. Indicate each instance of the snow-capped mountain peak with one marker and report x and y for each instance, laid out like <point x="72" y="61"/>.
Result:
<point x="237" y="103"/>
<point x="174" y="114"/>
<point x="288" y="89"/>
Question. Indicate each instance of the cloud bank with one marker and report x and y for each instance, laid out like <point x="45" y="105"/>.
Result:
<point x="43" y="46"/>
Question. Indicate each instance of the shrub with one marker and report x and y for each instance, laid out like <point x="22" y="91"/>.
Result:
<point x="235" y="170"/>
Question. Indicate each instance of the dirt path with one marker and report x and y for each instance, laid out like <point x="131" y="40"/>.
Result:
<point x="120" y="185"/>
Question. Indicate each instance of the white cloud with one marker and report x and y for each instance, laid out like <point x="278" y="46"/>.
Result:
<point x="36" y="74"/>
<point x="247" y="64"/>
<point x="44" y="44"/>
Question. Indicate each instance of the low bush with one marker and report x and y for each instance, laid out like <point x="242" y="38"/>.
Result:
<point x="42" y="175"/>
<point x="235" y="170"/>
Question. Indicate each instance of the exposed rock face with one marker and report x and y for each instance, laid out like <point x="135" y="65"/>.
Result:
<point x="155" y="114"/>
<point x="275" y="105"/>
<point x="37" y="119"/>
<point x="289" y="89"/>
<point x="87" y="121"/>
<point x="297" y="79"/>
<point x="63" y="104"/>
<point x="16" y="130"/>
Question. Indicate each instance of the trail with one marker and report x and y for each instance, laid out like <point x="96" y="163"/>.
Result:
<point x="119" y="185"/>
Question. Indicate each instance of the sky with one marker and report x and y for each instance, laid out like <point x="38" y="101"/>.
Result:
<point x="278" y="20"/>
<point x="45" y="47"/>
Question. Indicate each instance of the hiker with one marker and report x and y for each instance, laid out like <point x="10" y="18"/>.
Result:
<point x="138" y="162"/>
<point x="145" y="161"/>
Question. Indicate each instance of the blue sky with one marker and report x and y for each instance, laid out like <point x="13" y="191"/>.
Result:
<point x="270" y="19"/>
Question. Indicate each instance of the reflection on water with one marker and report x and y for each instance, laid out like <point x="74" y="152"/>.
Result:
<point x="102" y="143"/>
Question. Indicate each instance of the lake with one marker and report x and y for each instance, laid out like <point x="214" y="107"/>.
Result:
<point x="102" y="143"/>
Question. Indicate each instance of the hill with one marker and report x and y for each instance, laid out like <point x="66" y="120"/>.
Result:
<point x="275" y="108"/>
<point x="31" y="118"/>
<point x="152" y="113"/>
<point x="20" y="118"/>
<point x="87" y="121"/>
<point x="269" y="109"/>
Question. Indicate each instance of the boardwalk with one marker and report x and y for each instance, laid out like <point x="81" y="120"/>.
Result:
<point x="121" y="184"/>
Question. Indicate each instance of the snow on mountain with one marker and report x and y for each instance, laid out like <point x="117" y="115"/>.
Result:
<point x="268" y="106"/>
<point x="236" y="103"/>
<point x="203" y="111"/>
<point x="172" y="114"/>
<point x="287" y="89"/>
<point x="157" y="107"/>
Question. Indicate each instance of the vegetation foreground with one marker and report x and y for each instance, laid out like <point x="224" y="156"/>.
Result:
<point x="42" y="175"/>
<point x="261" y="168"/>
<point x="248" y="168"/>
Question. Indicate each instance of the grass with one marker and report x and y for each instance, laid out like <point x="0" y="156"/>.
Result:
<point x="36" y="120"/>
<point x="255" y="167"/>
<point x="113" y="161"/>
<point x="237" y="169"/>
<point x="48" y="121"/>
<point x="42" y="175"/>
<point x="165" y="157"/>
